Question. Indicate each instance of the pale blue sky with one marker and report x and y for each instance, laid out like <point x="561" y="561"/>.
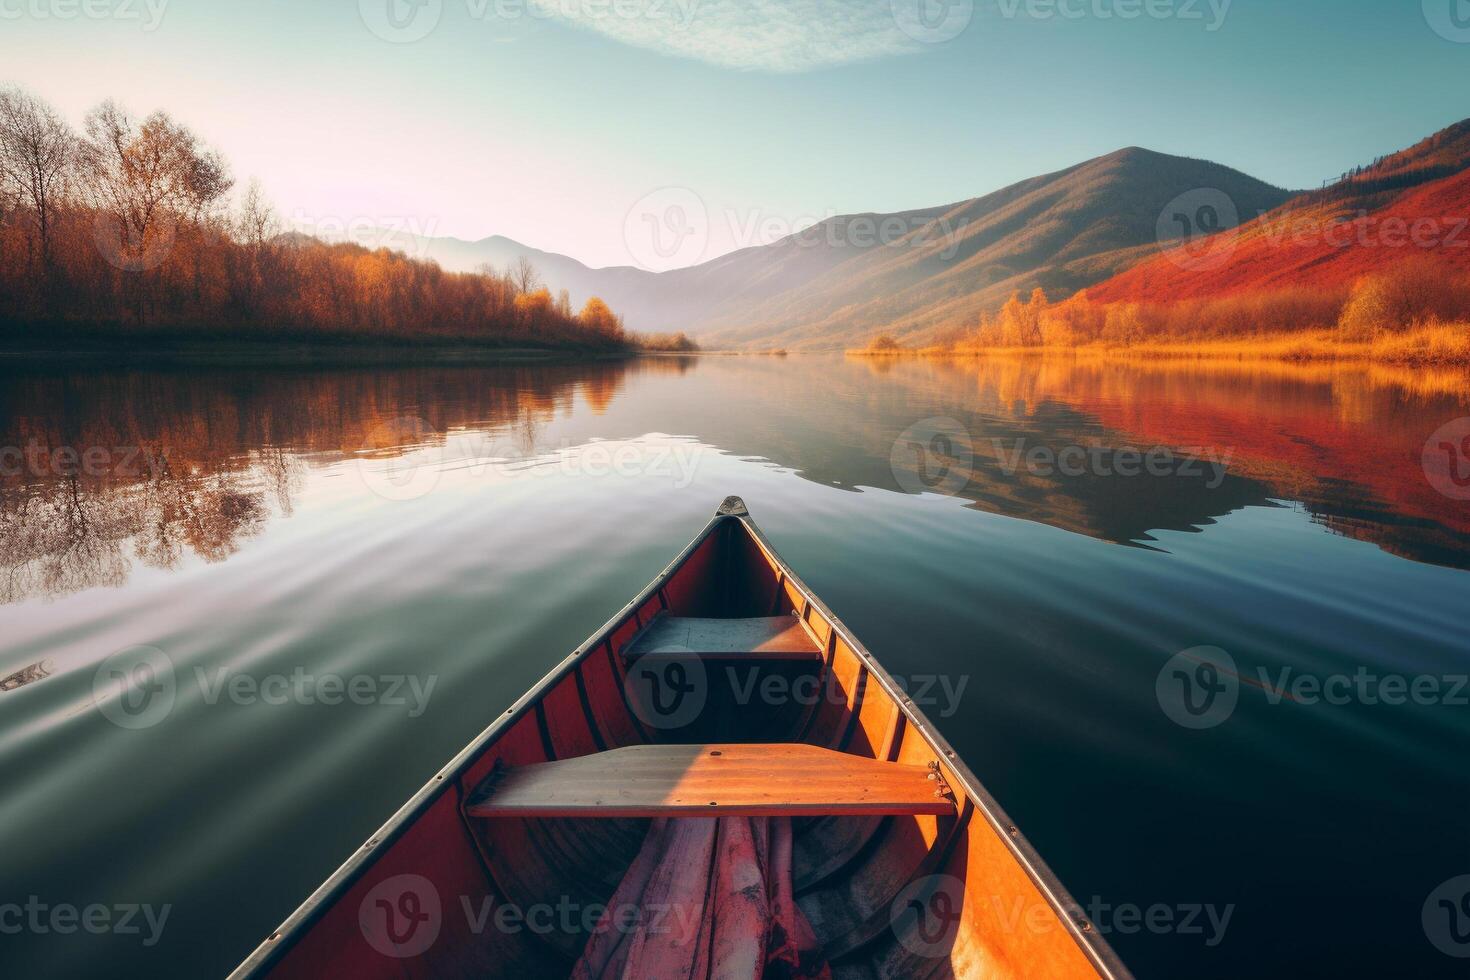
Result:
<point x="550" y="129"/>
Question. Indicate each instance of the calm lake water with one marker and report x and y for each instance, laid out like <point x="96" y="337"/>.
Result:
<point x="464" y="528"/>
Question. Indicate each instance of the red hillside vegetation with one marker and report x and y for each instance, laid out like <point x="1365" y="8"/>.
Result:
<point x="1324" y="243"/>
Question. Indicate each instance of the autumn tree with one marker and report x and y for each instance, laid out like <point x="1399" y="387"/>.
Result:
<point x="145" y="180"/>
<point x="255" y="227"/>
<point x="36" y="155"/>
<point x="255" y="222"/>
<point x="532" y="308"/>
<point x="525" y="276"/>
<point x="597" y="317"/>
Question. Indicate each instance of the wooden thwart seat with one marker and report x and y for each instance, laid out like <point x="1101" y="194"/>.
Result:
<point x="783" y="779"/>
<point x="760" y="638"/>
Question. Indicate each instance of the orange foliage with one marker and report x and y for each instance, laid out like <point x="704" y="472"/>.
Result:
<point x="597" y="318"/>
<point x="94" y="260"/>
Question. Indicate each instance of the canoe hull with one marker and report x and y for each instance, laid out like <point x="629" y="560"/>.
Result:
<point x="440" y="892"/>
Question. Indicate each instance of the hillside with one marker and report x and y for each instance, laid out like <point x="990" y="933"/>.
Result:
<point x="837" y="283"/>
<point x="1415" y="203"/>
<point x="1061" y="231"/>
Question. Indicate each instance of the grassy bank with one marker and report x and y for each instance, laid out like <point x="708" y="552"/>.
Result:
<point x="1433" y="344"/>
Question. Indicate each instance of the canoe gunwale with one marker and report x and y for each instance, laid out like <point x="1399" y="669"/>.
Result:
<point x="1093" y="946"/>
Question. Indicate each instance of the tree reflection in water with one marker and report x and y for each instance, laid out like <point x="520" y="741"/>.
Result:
<point x="109" y="469"/>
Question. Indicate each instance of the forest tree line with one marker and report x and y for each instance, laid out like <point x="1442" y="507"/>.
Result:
<point x="129" y="227"/>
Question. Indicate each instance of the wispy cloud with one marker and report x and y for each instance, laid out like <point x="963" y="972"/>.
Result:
<point x="768" y="35"/>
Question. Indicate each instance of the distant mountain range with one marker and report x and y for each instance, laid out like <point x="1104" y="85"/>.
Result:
<point x="1100" y="225"/>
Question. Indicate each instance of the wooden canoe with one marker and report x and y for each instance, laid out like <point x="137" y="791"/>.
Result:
<point x="725" y="753"/>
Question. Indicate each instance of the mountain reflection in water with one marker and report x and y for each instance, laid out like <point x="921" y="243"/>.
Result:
<point x="106" y="470"/>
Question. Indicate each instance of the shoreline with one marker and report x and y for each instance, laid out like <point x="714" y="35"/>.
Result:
<point x="1393" y="350"/>
<point x="285" y="348"/>
<point x="297" y="354"/>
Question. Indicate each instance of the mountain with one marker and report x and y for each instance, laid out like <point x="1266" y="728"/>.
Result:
<point x="911" y="273"/>
<point x="1061" y="232"/>
<point x="1412" y="203"/>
